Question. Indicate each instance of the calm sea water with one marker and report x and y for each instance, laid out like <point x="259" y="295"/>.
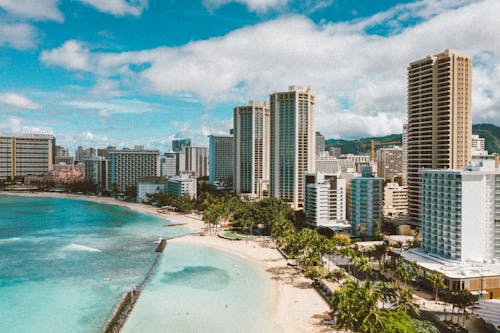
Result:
<point x="64" y="265"/>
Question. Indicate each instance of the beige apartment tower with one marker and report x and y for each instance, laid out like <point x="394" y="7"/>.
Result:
<point x="439" y="126"/>
<point x="251" y="150"/>
<point x="292" y="143"/>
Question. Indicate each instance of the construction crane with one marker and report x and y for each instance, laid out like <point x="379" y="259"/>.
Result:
<point x="375" y="143"/>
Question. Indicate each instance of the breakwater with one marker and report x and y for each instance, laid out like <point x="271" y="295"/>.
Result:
<point x="128" y="300"/>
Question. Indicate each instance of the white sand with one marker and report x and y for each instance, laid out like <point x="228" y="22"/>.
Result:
<point x="298" y="307"/>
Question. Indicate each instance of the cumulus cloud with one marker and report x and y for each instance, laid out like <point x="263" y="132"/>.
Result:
<point x="360" y="77"/>
<point x="118" y="7"/>
<point x="18" y="101"/>
<point x="17" y="35"/>
<point x="71" y="55"/>
<point x="43" y="10"/>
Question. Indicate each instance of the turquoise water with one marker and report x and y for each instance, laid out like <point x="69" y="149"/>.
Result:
<point x="64" y="264"/>
<point x="200" y="289"/>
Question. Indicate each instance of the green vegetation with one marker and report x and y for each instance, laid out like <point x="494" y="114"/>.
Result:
<point x="491" y="135"/>
<point x="489" y="132"/>
<point x="182" y="204"/>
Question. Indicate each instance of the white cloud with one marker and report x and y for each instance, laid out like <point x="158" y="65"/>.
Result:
<point x="18" y="101"/>
<point x="360" y="78"/>
<point x="118" y="7"/>
<point x="71" y="55"/>
<point x="17" y="35"/>
<point x="253" y="5"/>
<point x="43" y="10"/>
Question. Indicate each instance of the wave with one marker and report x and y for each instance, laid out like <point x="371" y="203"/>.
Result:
<point x="8" y="240"/>
<point x="78" y="247"/>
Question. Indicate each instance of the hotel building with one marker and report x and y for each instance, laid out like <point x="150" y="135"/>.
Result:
<point x="439" y="119"/>
<point x="292" y="143"/>
<point x="96" y="170"/>
<point x="179" y="145"/>
<point x="29" y="154"/>
<point x="220" y="152"/>
<point x="168" y="164"/>
<point x="366" y="200"/>
<point x="127" y="167"/>
<point x="395" y="200"/>
<point x="251" y="149"/>
<point x="324" y="199"/>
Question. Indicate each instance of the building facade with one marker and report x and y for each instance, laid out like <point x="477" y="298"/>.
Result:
<point x="182" y="185"/>
<point x="30" y="154"/>
<point x="366" y="201"/>
<point x="96" y="170"/>
<point x="179" y="145"/>
<point x="395" y="200"/>
<point x="324" y="199"/>
<point x="221" y="159"/>
<point x="320" y="143"/>
<point x="127" y="167"/>
<point x="168" y="165"/>
<point x="390" y="163"/>
<point x="439" y="119"/>
<point x="196" y="161"/>
<point x="404" y="157"/>
<point x="461" y="213"/>
<point x="292" y="143"/>
<point x="251" y="149"/>
<point x="150" y="186"/>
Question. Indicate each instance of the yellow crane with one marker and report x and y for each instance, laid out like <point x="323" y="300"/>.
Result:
<point x="375" y="143"/>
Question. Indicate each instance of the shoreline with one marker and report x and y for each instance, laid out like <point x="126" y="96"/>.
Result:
<point x="296" y="306"/>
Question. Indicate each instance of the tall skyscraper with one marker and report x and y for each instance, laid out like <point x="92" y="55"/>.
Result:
<point x="220" y="153"/>
<point x="29" y="154"/>
<point x="439" y="119"/>
<point x="96" y="170"/>
<point x="168" y="165"/>
<point x="196" y="159"/>
<point x="179" y="145"/>
<point x="320" y="143"/>
<point x="292" y="142"/>
<point x="251" y="149"/>
<point x="127" y="167"/>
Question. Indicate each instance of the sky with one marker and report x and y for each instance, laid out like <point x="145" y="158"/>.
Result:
<point x="143" y="72"/>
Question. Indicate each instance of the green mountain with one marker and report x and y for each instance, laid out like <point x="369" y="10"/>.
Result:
<point x="489" y="132"/>
<point x="491" y="135"/>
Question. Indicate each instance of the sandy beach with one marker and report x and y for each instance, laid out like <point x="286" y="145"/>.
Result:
<point x="298" y="307"/>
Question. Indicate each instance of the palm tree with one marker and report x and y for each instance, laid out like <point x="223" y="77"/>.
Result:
<point x="405" y="302"/>
<point x="437" y="280"/>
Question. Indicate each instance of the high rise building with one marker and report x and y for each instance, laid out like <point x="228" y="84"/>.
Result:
<point x="29" y="154"/>
<point x="179" y="145"/>
<point x="335" y="151"/>
<point x="168" y="165"/>
<point x="196" y="161"/>
<point x="320" y="143"/>
<point x="324" y="199"/>
<point x="460" y="212"/>
<point x="366" y="200"/>
<point x="96" y="170"/>
<point x="220" y="152"/>
<point x="404" y="157"/>
<point x="292" y="143"/>
<point x="439" y="119"/>
<point x="251" y="149"/>
<point x="389" y="163"/>
<point x="127" y="167"/>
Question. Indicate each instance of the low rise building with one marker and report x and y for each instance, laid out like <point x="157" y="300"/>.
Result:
<point x="150" y="185"/>
<point x="182" y="185"/>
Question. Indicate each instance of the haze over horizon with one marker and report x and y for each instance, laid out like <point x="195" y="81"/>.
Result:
<point x="142" y="72"/>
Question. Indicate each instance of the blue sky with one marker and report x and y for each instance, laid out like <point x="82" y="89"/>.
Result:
<point x="139" y="72"/>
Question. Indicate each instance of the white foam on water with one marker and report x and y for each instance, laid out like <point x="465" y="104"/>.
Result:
<point x="8" y="240"/>
<point x="78" y="247"/>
